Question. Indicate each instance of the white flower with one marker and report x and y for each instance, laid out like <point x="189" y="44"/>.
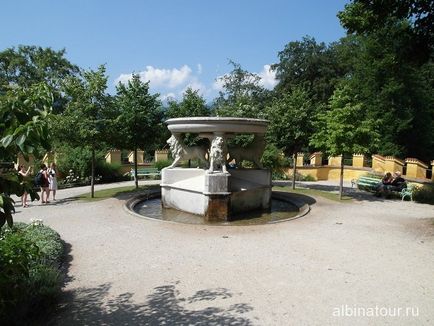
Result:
<point x="36" y="221"/>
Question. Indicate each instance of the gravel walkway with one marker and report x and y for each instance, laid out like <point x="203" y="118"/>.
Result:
<point x="365" y="262"/>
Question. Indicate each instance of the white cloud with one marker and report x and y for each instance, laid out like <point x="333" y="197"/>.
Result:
<point x="123" y="78"/>
<point x="173" y="82"/>
<point x="168" y="78"/>
<point x="218" y="84"/>
<point x="268" y="77"/>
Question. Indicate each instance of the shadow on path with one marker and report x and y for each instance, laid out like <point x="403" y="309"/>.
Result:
<point x="94" y="306"/>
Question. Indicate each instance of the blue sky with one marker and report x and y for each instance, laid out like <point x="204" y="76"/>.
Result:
<point x="174" y="44"/>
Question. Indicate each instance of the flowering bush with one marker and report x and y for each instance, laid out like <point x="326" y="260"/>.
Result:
<point x="30" y="279"/>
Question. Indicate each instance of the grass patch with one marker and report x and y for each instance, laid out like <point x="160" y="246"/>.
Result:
<point x="313" y="192"/>
<point x="113" y="192"/>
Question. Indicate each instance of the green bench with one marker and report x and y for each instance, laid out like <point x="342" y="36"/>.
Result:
<point x="145" y="172"/>
<point x="366" y="183"/>
<point x="371" y="184"/>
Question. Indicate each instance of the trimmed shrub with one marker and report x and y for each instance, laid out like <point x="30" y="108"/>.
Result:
<point x="162" y="164"/>
<point x="30" y="279"/>
<point x="424" y="194"/>
<point x="109" y="172"/>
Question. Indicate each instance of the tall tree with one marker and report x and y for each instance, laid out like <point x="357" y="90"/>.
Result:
<point x="365" y="17"/>
<point x="290" y="126"/>
<point x="392" y="71"/>
<point x="191" y="105"/>
<point x="85" y="121"/>
<point x="344" y="129"/>
<point x="139" y="117"/>
<point x="27" y="65"/>
<point x="310" y="65"/>
<point x="242" y="95"/>
<point x="24" y="122"/>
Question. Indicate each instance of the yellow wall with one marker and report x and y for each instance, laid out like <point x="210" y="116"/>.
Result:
<point x="330" y="172"/>
<point x="392" y="164"/>
<point x="113" y="156"/>
<point x="335" y="160"/>
<point x="415" y="170"/>
<point x="358" y="160"/>
<point x="161" y="155"/>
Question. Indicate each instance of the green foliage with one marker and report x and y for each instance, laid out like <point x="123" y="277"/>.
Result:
<point x="273" y="158"/>
<point x="29" y="65"/>
<point x="344" y="128"/>
<point x="109" y="172"/>
<point x="30" y="280"/>
<point x="302" y="177"/>
<point x="242" y="95"/>
<point x="367" y="17"/>
<point x="392" y="71"/>
<point x="89" y="113"/>
<point x="308" y="65"/>
<point x="138" y="123"/>
<point x="192" y="105"/>
<point x="77" y="159"/>
<point x="424" y="194"/>
<point x="84" y="122"/>
<point x="162" y="164"/>
<point x="24" y="120"/>
<point x="291" y="117"/>
<point x="139" y="114"/>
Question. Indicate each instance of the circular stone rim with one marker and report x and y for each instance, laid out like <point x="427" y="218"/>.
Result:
<point x="217" y="124"/>
<point x="303" y="207"/>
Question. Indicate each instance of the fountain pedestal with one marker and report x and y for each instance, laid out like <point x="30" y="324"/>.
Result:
<point x="216" y="193"/>
<point x="216" y="196"/>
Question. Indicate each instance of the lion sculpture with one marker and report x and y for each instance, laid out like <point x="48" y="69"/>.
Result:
<point x="253" y="152"/>
<point x="181" y="152"/>
<point x="217" y="155"/>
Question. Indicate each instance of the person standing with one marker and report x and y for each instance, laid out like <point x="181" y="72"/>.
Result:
<point x="44" y="184"/>
<point x="24" y="173"/>
<point x="52" y="181"/>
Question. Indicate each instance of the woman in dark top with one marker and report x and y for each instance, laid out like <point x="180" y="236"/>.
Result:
<point x="44" y="184"/>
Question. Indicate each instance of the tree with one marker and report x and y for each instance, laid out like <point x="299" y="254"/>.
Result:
<point x="24" y="117"/>
<point x="344" y="129"/>
<point x="139" y="117"/>
<point x="291" y="117"/>
<point x="242" y="95"/>
<point x="87" y="116"/>
<point x="28" y="65"/>
<point x="394" y="90"/>
<point x="310" y="65"/>
<point x="365" y="17"/>
<point x="192" y="105"/>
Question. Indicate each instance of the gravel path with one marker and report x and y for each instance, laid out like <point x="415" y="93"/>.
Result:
<point x="369" y="257"/>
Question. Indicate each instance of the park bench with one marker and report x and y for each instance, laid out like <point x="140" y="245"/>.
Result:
<point x="371" y="184"/>
<point x="366" y="183"/>
<point x="145" y="172"/>
<point x="407" y="191"/>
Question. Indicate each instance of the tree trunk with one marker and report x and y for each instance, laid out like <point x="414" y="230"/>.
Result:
<point x="294" y="169"/>
<point x="136" y="181"/>
<point x="341" y="181"/>
<point x="92" y="177"/>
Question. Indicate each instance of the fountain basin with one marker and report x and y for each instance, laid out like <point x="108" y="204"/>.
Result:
<point x="217" y="124"/>
<point x="284" y="207"/>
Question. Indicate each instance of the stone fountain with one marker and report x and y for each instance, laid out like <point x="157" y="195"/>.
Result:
<point x="218" y="192"/>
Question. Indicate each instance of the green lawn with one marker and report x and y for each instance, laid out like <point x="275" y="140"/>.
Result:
<point x="112" y="192"/>
<point x="313" y="192"/>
